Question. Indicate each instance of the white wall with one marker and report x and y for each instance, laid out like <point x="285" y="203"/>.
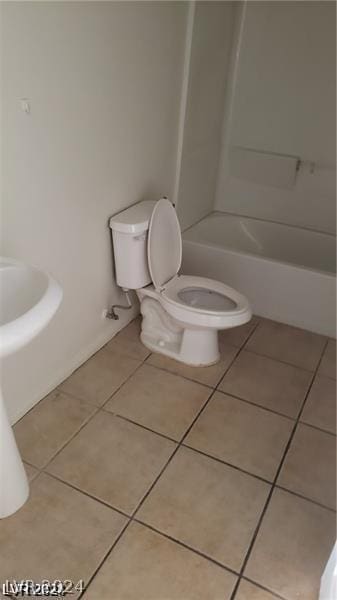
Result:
<point x="207" y="74"/>
<point x="103" y="80"/>
<point x="284" y="85"/>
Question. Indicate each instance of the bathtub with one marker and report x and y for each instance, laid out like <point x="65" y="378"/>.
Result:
<point x="288" y="273"/>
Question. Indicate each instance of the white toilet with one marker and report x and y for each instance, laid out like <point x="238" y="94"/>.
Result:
<point x="181" y="314"/>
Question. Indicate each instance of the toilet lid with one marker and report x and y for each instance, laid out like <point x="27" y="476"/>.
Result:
<point x="163" y="244"/>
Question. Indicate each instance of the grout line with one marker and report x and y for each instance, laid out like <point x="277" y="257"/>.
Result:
<point x="27" y="462"/>
<point x="128" y="420"/>
<point x="264" y="510"/>
<point x="56" y="390"/>
<point x="284" y="362"/>
<point x="173" y="454"/>
<point x="262" y="587"/>
<point x="259" y="478"/>
<point x="184" y="545"/>
<point x="284" y="489"/>
<point x="275" y="412"/>
<point x="124" y="382"/>
<point x="69" y="440"/>
<point x="328" y="377"/>
<point x="166" y="370"/>
<point x="104" y="558"/>
<point x="240" y="350"/>
<point x="87" y="494"/>
<point x="227" y="464"/>
<point x="71" y="395"/>
<point x="271" y="410"/>
<point x="317" y="428"/>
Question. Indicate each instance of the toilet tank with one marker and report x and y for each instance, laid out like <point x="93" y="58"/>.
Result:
<point x="129" y="236"/>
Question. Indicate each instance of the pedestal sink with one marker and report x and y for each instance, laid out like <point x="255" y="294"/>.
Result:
<point x="28" y="300"/>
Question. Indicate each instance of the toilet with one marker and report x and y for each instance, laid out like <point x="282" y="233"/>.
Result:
<point x="181" y="314"/>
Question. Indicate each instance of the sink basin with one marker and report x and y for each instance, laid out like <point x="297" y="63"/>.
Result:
<point x="28" y="300"/>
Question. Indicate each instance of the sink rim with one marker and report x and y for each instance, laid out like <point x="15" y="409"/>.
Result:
<point x="18" y="332"/>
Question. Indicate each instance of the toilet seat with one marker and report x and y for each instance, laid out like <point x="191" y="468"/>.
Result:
<point x="178" y="295"/>
<point x="164" y="245"/>
<point x="195" y="301"/>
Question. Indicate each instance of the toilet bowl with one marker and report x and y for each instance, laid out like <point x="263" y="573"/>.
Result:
<point x="181" y="314"/>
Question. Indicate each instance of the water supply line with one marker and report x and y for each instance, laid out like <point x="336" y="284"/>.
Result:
<point x="111" y="314"/>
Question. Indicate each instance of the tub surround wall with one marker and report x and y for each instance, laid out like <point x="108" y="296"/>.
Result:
<point x="103" y="80"/>
<point x="208" y="55"/>
<point x="283" y="101"/>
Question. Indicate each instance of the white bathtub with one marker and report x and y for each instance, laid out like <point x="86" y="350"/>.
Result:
<point x="288" y="273"/>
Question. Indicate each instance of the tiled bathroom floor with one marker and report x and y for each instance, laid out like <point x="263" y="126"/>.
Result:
<point x="151" y="480"/>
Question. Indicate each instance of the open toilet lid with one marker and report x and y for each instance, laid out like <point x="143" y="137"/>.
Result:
<point x="163" y="244"/>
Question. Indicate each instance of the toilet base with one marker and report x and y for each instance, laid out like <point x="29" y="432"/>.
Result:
<point x="196" y="347"/>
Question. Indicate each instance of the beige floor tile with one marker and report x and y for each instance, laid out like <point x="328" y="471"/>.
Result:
<point x="100" y="376"/>
<point x="147" y="566"/>
<point x="244" y="435"/>
<point x="267" y="382"/>
<point x="49" y="425"/>
<point x="31" y="472"/>
<point x="236" y="336"/>
<point x="206" y="375"/>
<point x="159" y="400"/>
<point x="320" y="407"/>
<point x="113" y="460"/>
<point x="296" y="346"/>
<point x="292" y="547"/>
<point x="310" y="466"/>
<point x="58" y="534"/>
<point x="249" y="591"/>
<point x="127" y="342"/>
<point x="207" y="505"/>
<point x="328" y="364"/>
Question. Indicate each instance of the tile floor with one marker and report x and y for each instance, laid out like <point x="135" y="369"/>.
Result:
<point x="151" y="480"/>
